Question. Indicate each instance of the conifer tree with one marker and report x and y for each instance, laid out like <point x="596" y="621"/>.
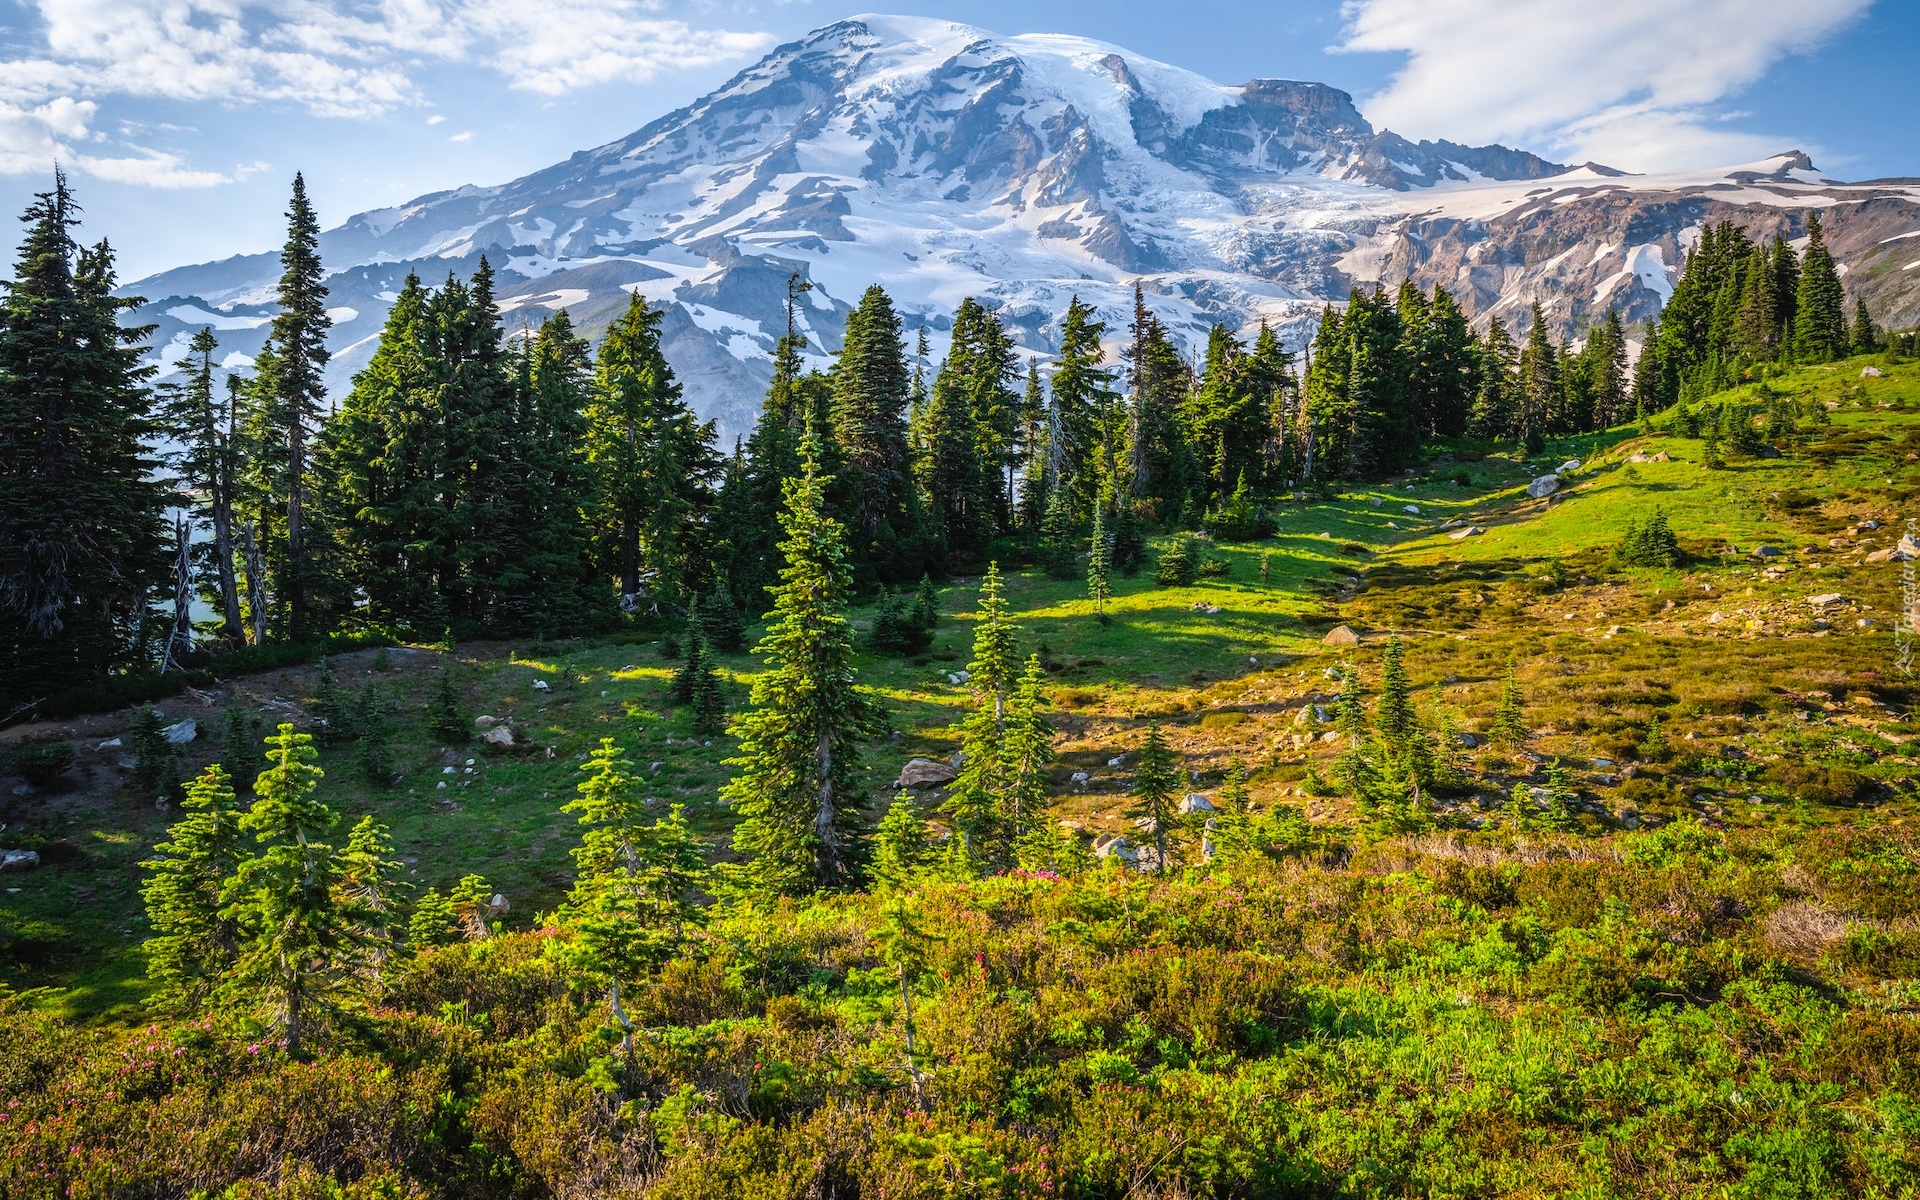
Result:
<point x="1156" y="779"/>
<point x="298" y="339"/>
<point x="433" y="922"/>
<point x="203" y="425"/>
<point x="1494" y="414"/>
<point x="1864" y="337"/>
<point x="1091" y="418"/>
<point x="194" y="942"/>
<point x="1393" y="713"/>
<point x="870" y="386"/>
<point x="1178" y="566"/>
<point x="651" y="459"/>
<point x="1055" y="550"/>
<point x="153" y="755"/>
<point x="283" y="895"/>
<point x="240" y="747"/>
<point x="899" y="846"/>
<point x="926" y="608"/>
<point x="471" y="899"/>
<point x="449" y="722"/>
<point x="976" y="801"/>
<point x="375" y="732"/>
<point x="635" y="885"/>
<point x="368" y="897"/>
<point x="81" y="539"/>
<point x="797" y="777"/>
<point x="1026" y="753"/>
<point x="1097" y="585"/>
<point x="1541" y="390"/>
<point x="1819" y="319"/>
<point x="1352" y="769"/>
<point x="1129" y="549"/>
<point x="1509" y="724"/>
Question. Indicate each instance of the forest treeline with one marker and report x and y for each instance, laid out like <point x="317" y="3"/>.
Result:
<point x="473" y="483"/>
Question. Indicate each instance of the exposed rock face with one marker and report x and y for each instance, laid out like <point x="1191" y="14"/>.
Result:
<point x="942" y="161"/>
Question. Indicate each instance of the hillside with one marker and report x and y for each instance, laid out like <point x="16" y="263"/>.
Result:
<point x="1700" y="984"/>
<point x="944" y="161"/>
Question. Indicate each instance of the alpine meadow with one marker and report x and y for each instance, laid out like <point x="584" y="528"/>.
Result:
<point x="1143" y="640"/>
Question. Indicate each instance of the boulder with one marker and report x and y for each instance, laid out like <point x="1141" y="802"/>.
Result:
<point x="1767" y="452"/>
<point x="1825" y="599"/>
<point x="1890" y="554"/>
<point x="109" y="744"/>
<point x="1767" y="551"/>
<point x="485" y="722"/>
<point x="1109" y="845"/>
<point x="499" y="735"/>
<point x="1331" y="735"/>
<point x="925" y="773"/>
<point x="1462" y="534"/>
<point x="1572" y="464"/>
<point x="1079" y="777"/>
<point x="1117" y="761"/>
<point x="1663" y="456"/>
<point x="1340" y="635"/>
<point x="1871" y="372"/>
<point x="1373" y="502"/>
<point x="1467" y="740"/>
<point x="19" y="860"/>
<point x="1546" y="485"/>
<point x="181" y="732"/>
<point x="541" y="685"/>
<point x="1412" y="510"/>
<point x="1194" y="802"/>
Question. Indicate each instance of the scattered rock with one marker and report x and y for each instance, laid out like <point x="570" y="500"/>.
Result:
<point x="1112" y="845"/>
<point x="1117" y="761"/>
<point x="181" y="732"/>
<point x="19" y="860"/>
<point x="499" y="735"/>
<point x="1469" y="531"/>
<point x="485" y="722"/>
<point x="1079" y="777"/>
<point x="1412" y="510"/>
<point x="541" y="685"/>
<point x="1331" y="735"/>
<point x="1825" y="599"/>
<point x="1766" y="451"/>
<point x="1467" y="740"/>
<point x="1764" y="551"/>
<point x="925" y="773"/>
<point x="1572" y="464"/>
<point x="109" y="744"/>
<point x="1194" y="802"/>
<point x="1546" y="485"/>
<point x="1373" y="502"/>
<point x="1871" y="372"/>
<point x="1450" y="523"/>
<point x="1663" y="456"/>
<point x="1340" y="635"/>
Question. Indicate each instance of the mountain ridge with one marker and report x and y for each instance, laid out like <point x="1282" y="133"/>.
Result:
<point x="943" y="161"/>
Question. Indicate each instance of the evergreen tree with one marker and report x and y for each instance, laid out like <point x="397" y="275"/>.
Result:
<point x="1606" y="355"/>
<point x="1092" y="421"/>
<point x="153" y="755"/>
<point x="1509" y="720"/>
<point x="81" y="539"/>
<point x="1495" y="415"/>
<point x="926" y="608"/>
<point x="1393" y="713"/>
<point x="1158" y="380"/>
<point x="1865" y="338"/>
<point x="194" y="942"/>
<point x="239" y="747"/>
<point x="368" y="898"/>
<point x="1178" y="566"/>
<point x="1097" y="585"/>
<point x="1055" y="551"/>
<point x="1156" y="779"/>
<point x="449" y="722"/>
<point x="720" y="620"/>
<point x="651" y="459"/>
<point x="635" y="885"/>
<point x="331" y="711"/>
<point x="204" y="426"/>
<point x="1819" y="319"/>
<point x="283" y="895"/>
<point x="875" y="483"/>
<point x="1036" y="459"/>
<point x="1026" y="753"/>
<point x="298" y="340"/>
<point x="433" y="922"/>
<point x="1540" y="389"/>
<point x="797" y="783"/>
<point x="899" y="846"/>
<point x="375" y="732"/>
<point x="1129" y="549"/>
<point x="975" y="803"/>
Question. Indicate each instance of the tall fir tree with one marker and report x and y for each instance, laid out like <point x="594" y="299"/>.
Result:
<point x="976" y="801"/>
<point x="1819" y="318"/>
<point x="81" y="537"/>
<point x="202" y="423"/>
<point x="1099" y="587"/>
<point x="1026" y="754"/>
<point x="298" y="341"/>
<point x="1091" y="420"/>
<point x="797" y="781"/>
<point x="652" y="461"/>
<point x="874" y="482"/>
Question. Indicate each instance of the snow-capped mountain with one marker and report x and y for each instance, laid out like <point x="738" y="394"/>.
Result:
<point x="943" y="162"/>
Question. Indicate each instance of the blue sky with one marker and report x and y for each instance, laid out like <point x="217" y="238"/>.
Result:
<point x="182" y="121"/>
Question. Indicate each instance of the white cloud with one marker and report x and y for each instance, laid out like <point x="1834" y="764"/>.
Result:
<point x="437" y="119"/>
<point x="335" y="58"/>
<point x="465" y="135"/>
<point x="1633" y="83"/>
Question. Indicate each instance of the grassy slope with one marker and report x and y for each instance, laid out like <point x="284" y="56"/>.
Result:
<point x="1231" y="684"/>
